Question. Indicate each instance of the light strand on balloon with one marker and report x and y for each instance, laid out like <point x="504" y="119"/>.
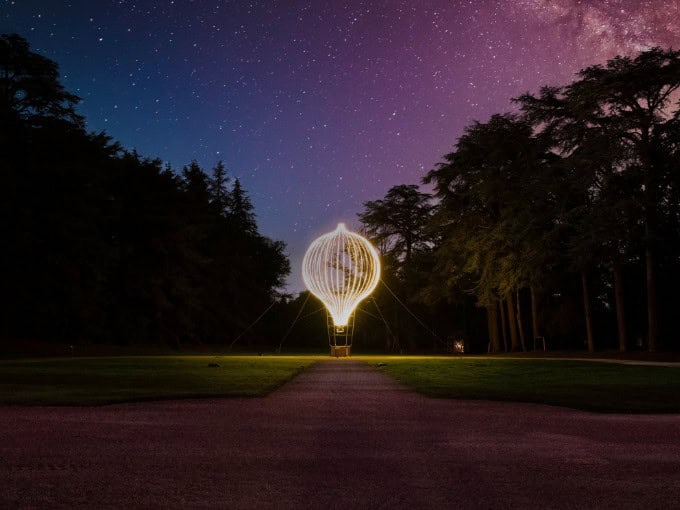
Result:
<point x="341" y="268"/>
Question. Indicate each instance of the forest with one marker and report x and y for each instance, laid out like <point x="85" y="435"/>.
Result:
<point x="557" y="222"/>
<point x="102" y="245"/>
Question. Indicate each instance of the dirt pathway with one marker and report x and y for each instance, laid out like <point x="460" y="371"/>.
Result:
<point x="341" y="435"/>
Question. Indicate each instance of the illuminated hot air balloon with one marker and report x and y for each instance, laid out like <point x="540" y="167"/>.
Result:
<point x="341" y="268"/>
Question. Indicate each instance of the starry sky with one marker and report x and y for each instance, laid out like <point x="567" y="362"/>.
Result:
<point x="319" y="105"/>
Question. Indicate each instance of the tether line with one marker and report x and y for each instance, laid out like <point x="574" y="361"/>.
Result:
<point x="368" y="313"/>
<point x="412" y="314"/>
<point x="294" y="321"/>
<point x="389" y="330"/>
<point x="311" y="313"/>
<point x="251" y="325"/>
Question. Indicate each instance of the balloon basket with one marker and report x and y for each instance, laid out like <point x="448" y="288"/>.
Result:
<point x="340" y="337"/>
<point x="341" y="351"/>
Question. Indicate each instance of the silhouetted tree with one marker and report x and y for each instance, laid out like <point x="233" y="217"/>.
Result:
<point x="494" y="215"/>
<point x="30" y="90"/>
<point x="218" y="189"/>
<point x="398" y="225"/>
<point x="106" y="246"/>
<point x="628" y="99"/>
<point x="242" y="209"/>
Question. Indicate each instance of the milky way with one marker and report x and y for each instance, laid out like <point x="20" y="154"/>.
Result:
<point x="319" y="105"/>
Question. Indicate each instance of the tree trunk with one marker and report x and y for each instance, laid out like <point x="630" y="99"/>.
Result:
<point x="5" y="326"/>
<point x="494" y="337"/>
<point x="5" y="312"/>
<point x="512" y="322"/>
<point x="586" y="309"/>
<point x="620" y="307"/>
<point x="652" y="325"/>
<point x="534" y="315"/>
<point x="504" y="327"/>
<point x="397" y="334"/>
<point x="520" y="328"/>
<point x="489" y="329"/>
<point x="650" y="204"/>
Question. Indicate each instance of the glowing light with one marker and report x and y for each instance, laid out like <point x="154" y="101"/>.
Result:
<point x="341" y="268"/>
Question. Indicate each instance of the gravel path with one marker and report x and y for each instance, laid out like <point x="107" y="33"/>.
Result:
<point x="341" y="435"/>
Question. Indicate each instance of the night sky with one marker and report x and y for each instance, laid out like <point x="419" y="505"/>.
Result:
<point x="318" y="106"/>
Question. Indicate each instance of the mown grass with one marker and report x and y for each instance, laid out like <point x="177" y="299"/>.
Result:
<point x="107" y="380"/>
<point x="592" y="386"/>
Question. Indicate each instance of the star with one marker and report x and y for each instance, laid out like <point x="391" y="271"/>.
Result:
<point x="331" y="102"/>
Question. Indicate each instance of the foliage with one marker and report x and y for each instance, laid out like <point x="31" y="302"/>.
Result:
<point x="399" y="225"/>
<point x="104" y="245"/>
<point x="541" y="217"/>
<point x="493" y="207"/>
<point x="575" y="186"/>
<point x="30" y="90"/>
<point x="611" y="126"/>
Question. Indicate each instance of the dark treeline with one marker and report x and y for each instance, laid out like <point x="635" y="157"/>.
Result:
<point x="560" y="221"/>
<point x="102" y="245"/>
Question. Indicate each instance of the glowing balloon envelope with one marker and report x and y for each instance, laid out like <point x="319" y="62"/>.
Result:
<point x="341" y="268"/>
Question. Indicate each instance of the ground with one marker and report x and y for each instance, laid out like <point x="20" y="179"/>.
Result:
<point x="340" y="435"/>
<point x="107" y="380"/>
<point x="615" y="386"/>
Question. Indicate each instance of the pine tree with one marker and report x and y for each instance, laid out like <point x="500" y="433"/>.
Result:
<point x="218" y="189"/>
<point x="242" y="209"/>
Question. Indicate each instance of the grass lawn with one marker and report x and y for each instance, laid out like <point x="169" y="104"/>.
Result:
<point x="97" y="381"/>
<point x="593" y="386"/>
